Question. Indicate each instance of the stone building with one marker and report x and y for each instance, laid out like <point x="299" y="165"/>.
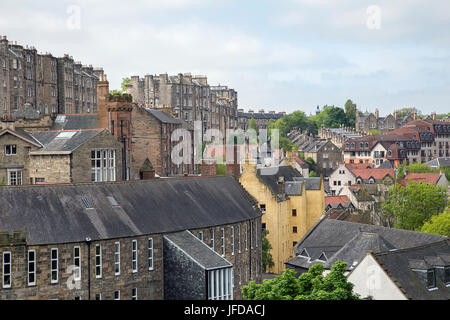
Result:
<point x="48" y="84"/>
<point x="58" y="156"/>
<point x="365" y="122"/>
<point x="261" y="118"/>
<point x="290" y="203"/>
<point x="326" y="154"/>
<point x="128" y="240"/>
<point x="152" y="132"/>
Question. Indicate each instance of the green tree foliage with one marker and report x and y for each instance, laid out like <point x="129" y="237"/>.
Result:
<point x="413" y="205"/>
<point x="124" y="83"/>
<point x="438" y="224"/>
<point x="418" y="167"/>
<point x="267" y="260"/>
<point x="285" y="144"/>
<point x="311" y="163"/>
<point x="405" y="112"/>
<point x="350" y="113"/>
<point x="115" y="92"/>
<point x="311" y="285"/>
<point x="373" y="132"/>
<point x="252" y="124"/>
<point x="330" y="117"/>
<point x="312" y="174"/>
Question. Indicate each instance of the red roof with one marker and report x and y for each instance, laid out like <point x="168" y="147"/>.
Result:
<point x="375" y="173"/>
<point x="358" y="165"/>
<point x="431" y="178"/>
<point x="336" y="199"/>
<point x="298" y="159"/>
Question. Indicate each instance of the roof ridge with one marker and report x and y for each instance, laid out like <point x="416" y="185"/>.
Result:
<point x="444" y="240"/>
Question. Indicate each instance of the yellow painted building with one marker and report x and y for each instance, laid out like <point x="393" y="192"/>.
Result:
<point x="291" y="205"/>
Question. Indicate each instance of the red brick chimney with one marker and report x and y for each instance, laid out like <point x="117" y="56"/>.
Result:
<point x="209" y="168"/>
<point x="235" y="167"/>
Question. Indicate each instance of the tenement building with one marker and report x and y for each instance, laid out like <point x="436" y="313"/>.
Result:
<point x="187" y="97"/>
<point x="291" y="205"/>
<point x="364" y="122"/>
<point x="261" y="118"/>
<point x="48" y="83"/>
<point x="177" y="238"/>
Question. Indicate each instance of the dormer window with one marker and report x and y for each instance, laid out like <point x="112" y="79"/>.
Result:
<point x="431" y="278"/>
<point x="323" y="257"/>
<point x="304" y="253"/>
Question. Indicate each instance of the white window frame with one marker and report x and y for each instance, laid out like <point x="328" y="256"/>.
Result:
<point x="211" y="241"/>
<point x="98" y="295"/>
<point x="232" y="240"/>
<point x="98" y="263"/>
<point x="104" y="168"/>
<point x="246" y="237"/>
<point x="200" y="235"/>
<point x="222" y="241"/>
<point x="18" y="177"/>
<point x="239" y="238"/>
<point x="77" y="260"/>
<point x="52" y="270"/>
<point x="118" y="296"/>
<point x="134" y="293"/>
<point x="134" y="256"/>
<point x="150" y="254"/>
<point x="9" y="264"/>
<point x="116" y="258"/>
<point x="31" y="262"/>
<point x="11" y="153"/>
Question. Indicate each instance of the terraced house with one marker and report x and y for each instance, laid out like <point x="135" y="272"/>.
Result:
<point x="184" y="238"/>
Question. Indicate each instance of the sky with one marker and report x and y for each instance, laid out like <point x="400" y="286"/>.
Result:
<point x="282" y="55"/>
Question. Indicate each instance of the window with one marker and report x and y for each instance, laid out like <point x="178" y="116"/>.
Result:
<point x="7" y="260"/>
<point x="246" y="238"/>
<point x="134" y="294"/>
<point x="77" y="263"/>
<point x="239" y="238"/>
<point x="98" y="296"/>
<point x="232" y="241"/>
<point x="10" y="149"/>
<point x="200" y="235"/>
<point x="134" y="264"/>
<point x="150" y="254"/>
<point x="431" y="279"/>
<point x="98" y="261"/>
<point x="117" y="258"/>
<point x="447" y="275"/>
<point x="222" y="241"/>
<point x="212" y="239"/>
<point x="294" y="229"/>
<point x="263" y="208"/>
<point x="14" y="177"/>
<point x="117" y="295"/>
<point x="54" y="265"/>
<point x="31" y="267"/>
<point x="103" y="165"/>
<point x="294" y="212"/>
<point x="220" y="284"/>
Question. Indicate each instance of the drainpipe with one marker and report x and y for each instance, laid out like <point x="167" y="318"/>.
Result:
<point x="88" y="243"/>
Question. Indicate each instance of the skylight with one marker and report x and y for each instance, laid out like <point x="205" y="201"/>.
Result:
<point x="60" y="118"/>
<point x="112" y="201"/>
<point x="86" y="202"/>
<point x="66" y="135"/>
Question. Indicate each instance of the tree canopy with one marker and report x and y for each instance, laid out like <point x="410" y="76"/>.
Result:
<point x="413" y="205"/>
<point x="350" y="113"/>
<point x="311" y="285"/>
<point x="438" y="224"/>
<point x="267" y="260"/>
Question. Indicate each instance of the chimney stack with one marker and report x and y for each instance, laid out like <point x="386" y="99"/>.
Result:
<point x="281" y="186"/>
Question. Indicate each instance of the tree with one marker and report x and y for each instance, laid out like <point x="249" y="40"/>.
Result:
<point x="312" y="174"/>
<point x="438" y="224"/>
<point x="414" y="204"/>
<point x="311" y="285"/>
<point x="125" y="81"/>
<point x="252" y="124"/>
<point x="285" y="144"/>
<point x="267" y="260"/>
<point x="350" y="113"/>
<point x="311" y="164"/>
<point x="330" y="117"/>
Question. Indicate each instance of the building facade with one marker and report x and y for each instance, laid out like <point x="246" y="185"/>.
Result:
<point x="122" y="242"/>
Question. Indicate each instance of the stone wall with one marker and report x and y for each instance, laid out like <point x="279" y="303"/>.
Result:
<point x="50" y="168"/>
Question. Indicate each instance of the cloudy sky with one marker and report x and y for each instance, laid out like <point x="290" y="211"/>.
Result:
<point x="279" y="55"/>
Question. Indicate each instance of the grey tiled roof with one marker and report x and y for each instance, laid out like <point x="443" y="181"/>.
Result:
<point x="350" y="241"/>
<point x="75" y="122"/>
<point x="439" y="162"/>
<point x="27" y="112"/>
<point x="55" y="141"/>
<point x="162" y="116"/>
<point x="399" y="264"/>
<point x="56" y="214"/>
<point x="197" y="250"/>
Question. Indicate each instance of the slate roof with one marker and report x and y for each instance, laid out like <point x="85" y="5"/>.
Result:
<point x="63" y="141"/>
<point x="162" y="116"/>
<point x="22" y="134"/>
<point x="350" y="241"/>
<point x="439" y="162"/>
<point x="56" y="214"/>
<point x="399" y="264"/>
<point x="197" y="250"/>
<point x="75" y="121"/>
<point x="293" y="180"/>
